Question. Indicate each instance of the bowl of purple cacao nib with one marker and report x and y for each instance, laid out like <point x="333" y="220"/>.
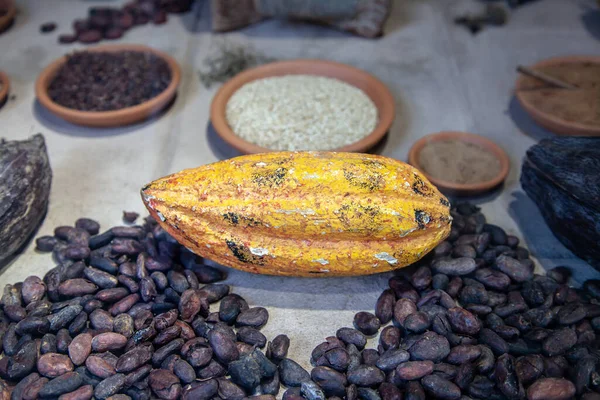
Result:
<point x="108" y="86"/>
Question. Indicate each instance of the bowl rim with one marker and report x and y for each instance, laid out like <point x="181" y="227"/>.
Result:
<point x="415" y="150"/>
<point x="386" y="113"/>
<point x="545" y="119"/>
<point x="98" y="117"/>
<point x="5" y="86"/>
<point x="10" y="15"/>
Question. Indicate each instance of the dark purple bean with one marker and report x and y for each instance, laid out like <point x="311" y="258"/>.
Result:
<point x="352" y="336"/>
<point x="229" y="390"/>
<point x="463" y="321"/>
<point x="255" y="317"/>
<point x="108" y="341"/>
<point x="230" y="307"/>
<point x="402" y="309"/>
<point x="129" y="216"/>
<point x="478" y="309"/>
<point x="89" y="225"/>
<point x="507" y="332"/>
<point x="413" y="370"/>
<point x="63" y="340"/>
<point x="101" y="320"/>
<point x="100" y="366"/>
<point x="417" y="322"/>
<point x="445" y="370"/>
<point x="440" y="281"/>
<point x="428" y="346"/>
<point x="333" y="382"/>
<point x="457" y="266"/>
<point x="337" y="358"/>
<point x="15" y="313"/>
<point x="495" y="342"/>
<point x="291" y="373"/>
<point x="129" y="283"/>
<point x="389" y="337"/>
<point x="45" y="243"/>
<point x="464" y="250"/>
<point x="366" y="375"/>
<point x="551" y="389"/>
<point x="454" y="286"/>
<point x="223" y="347"/>
<point x="529" y="368"/>
<point x="125" y="304"/>
<point x="33" y="326"/>
<point x="391" y="359"/>
<point x="76" y="287"/>
<point x="559" y="341"/>
<point x="506" y="377"/>
<point x="474" y="295"/>
<point x="515" y="269"/>
<point x="207" y="274"/>
<point x="63" y="384"/>
<point x="278" y="348"/>
<point x="109" y="386"/>
<point x="104" y="264"/>
<point x="92" y="305"/>
<point x="184" y="371"/>
<point x="571" y="313"/>
<point x="80" y="348"/>
<point x="384" y="309"/>
<point x="101" y="240"/>
<point x="464" y="353"/>
<point x="251" y="336"/>
<point x="414" y="391"/>
<point x="191" y="304"/>
<point x="77" y="252"/>
<point x="134" y="359"/>
<point x="177" y="281"/>
<point x="167" y="335"/>
<point x="441" y="388"/>
<point x="200" y="390"/>
<point x="33" y="289"/>
<point x="492" y="279"/>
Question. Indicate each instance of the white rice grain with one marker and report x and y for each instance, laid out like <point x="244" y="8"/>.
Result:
<point x="301" y="112"/>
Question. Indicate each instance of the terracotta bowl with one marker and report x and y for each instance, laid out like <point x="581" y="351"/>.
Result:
<point x="462" y="189"/>
<point x="373" y="87"/>
<point x="120" y="117"/>
<point x="4" y="88"/>
<point x="8" y="18"/>
<point x="549" y="121"/>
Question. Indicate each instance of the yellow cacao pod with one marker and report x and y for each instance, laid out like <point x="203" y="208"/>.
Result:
<point x="303" y="213"/>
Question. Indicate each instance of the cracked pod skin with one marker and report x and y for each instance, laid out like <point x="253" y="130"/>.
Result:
<point x="303" y="213"/>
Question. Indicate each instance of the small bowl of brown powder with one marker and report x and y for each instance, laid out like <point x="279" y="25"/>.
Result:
<point x="460" y="163"/>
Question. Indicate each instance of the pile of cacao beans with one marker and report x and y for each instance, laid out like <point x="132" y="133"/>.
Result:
<point x="130" y="314"/>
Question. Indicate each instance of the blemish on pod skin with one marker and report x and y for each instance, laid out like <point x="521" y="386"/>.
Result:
<point x="386" y="257"/>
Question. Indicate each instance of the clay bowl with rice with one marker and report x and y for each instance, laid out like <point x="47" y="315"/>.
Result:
<point x="460" y="163"/>
<point x="564" y="111"/>
<point x="69" y="87"/>
<point x="302" y="105"/>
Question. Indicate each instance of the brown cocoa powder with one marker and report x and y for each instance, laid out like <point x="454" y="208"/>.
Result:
<point x="458" y="161"/>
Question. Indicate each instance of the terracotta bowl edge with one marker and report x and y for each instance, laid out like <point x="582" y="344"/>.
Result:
<point x="471" y="188"/>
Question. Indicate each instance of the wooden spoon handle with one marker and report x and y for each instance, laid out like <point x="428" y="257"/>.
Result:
<point x="545" y="78"/>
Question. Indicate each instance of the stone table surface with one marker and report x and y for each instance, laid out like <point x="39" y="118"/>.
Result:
<point x="442" y="77"/>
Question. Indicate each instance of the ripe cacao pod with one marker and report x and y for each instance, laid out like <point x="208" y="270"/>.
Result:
<point x="303" y="213"/>
<point x="25" y="178"/>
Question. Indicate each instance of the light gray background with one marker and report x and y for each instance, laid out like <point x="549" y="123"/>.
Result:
<point x="442" y="78"/>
